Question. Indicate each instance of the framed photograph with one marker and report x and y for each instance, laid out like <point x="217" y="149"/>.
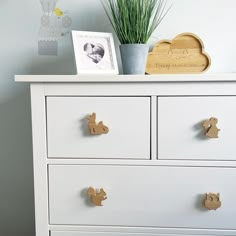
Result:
<point x="94" y="53"/>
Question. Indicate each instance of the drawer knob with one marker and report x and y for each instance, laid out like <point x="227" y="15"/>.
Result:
<point x="212" y="201"/>
<point x="95" y="128"/>
<point x="211" y="130"/>
<point x="97" y="197"/>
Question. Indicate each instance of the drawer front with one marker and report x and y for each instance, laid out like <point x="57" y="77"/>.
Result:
<point x="127" y="118"/>
<point x="79" y="233"/>
<point x="147" y="196"/>
<point x="181" y="134"/>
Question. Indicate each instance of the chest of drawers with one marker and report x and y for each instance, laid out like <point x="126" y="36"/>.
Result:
<point x="129" y="155"/>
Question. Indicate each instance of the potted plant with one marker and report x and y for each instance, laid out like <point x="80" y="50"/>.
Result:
<point x="134" y="21"/>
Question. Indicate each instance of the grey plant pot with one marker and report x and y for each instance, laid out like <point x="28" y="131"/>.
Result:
<point x="134" y="58"/>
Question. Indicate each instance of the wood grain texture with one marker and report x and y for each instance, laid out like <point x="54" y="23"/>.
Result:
<point x="184" y="54"/>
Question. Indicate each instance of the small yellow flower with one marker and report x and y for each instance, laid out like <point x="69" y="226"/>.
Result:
<point x="58" y="12"/>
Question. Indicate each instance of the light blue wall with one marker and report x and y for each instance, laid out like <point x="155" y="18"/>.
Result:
<point x="212" y="20"/>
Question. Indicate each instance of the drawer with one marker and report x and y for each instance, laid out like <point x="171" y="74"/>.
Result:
<point x="127" y="118"/>
<point x="181" y="134"/>
<point x="148" y="196"/>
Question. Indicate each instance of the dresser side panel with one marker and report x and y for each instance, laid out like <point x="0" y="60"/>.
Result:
<point x="39" y="156"/>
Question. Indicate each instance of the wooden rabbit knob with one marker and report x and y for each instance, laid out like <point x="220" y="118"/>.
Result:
<point x="211" y="130"/>
<point x="212" y="201"/>
<point x="97" y="197"/>
<point x="95" y="128"/>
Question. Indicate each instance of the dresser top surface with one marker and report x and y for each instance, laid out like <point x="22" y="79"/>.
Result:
<point x="223" y="77"/>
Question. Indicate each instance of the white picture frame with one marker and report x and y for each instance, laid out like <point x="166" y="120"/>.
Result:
<point x="94" y="53"/>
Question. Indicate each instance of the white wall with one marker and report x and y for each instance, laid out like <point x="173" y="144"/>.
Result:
<point x="212" y="20"/>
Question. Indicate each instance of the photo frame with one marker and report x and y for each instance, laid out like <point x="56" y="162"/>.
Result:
<point x="94" y="53"/>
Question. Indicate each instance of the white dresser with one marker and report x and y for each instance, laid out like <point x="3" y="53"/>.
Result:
<point x="129" y="155"/>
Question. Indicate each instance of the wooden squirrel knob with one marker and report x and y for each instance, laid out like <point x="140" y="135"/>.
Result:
<point x="97" y="197"/>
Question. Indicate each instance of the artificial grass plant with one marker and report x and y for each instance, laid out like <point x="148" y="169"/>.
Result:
<point x="134" y="21"/>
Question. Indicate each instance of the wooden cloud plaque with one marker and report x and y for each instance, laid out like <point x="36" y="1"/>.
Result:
<point x="184" y="54"/>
